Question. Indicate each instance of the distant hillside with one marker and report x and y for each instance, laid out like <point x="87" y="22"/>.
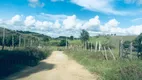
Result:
<point x="25" y="35"/>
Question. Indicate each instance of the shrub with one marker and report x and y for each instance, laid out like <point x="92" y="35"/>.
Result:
<point x="53" y="43"/>
<point x="63" y="43"/>
<point x="13" y="61"/>
<point x="111" y="46"/>
<point x="132" y="72"/>
<point x="126" y="44"/>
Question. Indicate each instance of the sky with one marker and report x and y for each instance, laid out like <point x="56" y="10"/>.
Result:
<point x="68" y="17"/>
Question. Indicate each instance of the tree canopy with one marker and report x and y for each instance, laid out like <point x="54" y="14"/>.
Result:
<point x="84" y="35"/>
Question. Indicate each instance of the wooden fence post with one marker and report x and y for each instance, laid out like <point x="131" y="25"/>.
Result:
<point x="105" y="53"/>
<point x="66" y="44"/>
<point x="91" y="46"/>
<point x="31" y="43"/>
<point x="120" y="48"/>
<point x="3" y="39"/>
<point x="85" y="45"/>
<point x="99" y="45"/>
<point x="96" y="46"/>
<point x="12" y="41"/>
<point x="19" y="40"/>
<point x="112" y="54"/>
<point x="131" y="49"/>
<point x="24" y="42"/>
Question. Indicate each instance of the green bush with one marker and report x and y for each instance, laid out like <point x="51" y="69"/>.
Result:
<point x="111" y="46"/>
<point x="53" y="43"/>
<point x="126" y="44"/>
<point x="63" y="43"/>
<point x="13" y="61"/>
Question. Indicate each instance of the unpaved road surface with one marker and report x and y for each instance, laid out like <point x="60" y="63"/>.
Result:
<point x="55" y="67"/>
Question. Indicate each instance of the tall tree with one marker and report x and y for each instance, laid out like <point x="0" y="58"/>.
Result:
<point x="138" y="45"/>
<point x="71" y="38"/>
<point x="84" y="36"/>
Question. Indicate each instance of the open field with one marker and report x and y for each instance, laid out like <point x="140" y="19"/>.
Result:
<point x="95" y="62"/>
<point x="103" y="64"/>
<point x="107" y="70"/>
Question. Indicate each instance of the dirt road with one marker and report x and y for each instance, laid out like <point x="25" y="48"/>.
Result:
<point x="56" y="67"/>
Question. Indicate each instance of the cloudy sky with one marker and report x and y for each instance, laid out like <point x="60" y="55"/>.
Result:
<point x="68" y="17"/>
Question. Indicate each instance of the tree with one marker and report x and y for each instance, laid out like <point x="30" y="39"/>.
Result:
<point x="71" y="38"/>
<point x="46" y="39"/>
<point x="126" y="44"/>
<point x="138" y="45"/>
<point x="84" y="35"/>
<point x="63" y="43"/>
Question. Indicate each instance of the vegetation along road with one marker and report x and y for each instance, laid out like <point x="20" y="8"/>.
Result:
<point x="56" y="67"/>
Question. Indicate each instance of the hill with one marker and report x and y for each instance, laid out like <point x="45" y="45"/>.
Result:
<point x="25" y="37"/>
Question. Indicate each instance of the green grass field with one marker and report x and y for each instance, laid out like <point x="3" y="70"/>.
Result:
<point x="107" y="70"/>
<point x="95" y="62"/>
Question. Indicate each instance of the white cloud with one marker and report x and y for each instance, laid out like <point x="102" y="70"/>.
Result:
<point x="139" y="2"/>
<point x="136" y="20"/>
<point x="16" y="18"/>
<point x="112" y="23"/>
<point x="1" y="21"/>
<point x="94" y="22"/>
<point x="104" y="6"/>
<point x="39" y="25"/>
<point x="29" y="21"/>
<point x="36" y="3"/>
<point x="56" y="0"/>
<point x="134" y="30"/>
<point x="52" y="17"/>
<point x="70" y="22"/>
<point x="111" y="27"/>
<point x="70" y="25"/>
<point x="57" y="24"/>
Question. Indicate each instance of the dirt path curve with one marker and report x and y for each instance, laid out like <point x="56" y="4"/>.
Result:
<point x="56" y="67"/>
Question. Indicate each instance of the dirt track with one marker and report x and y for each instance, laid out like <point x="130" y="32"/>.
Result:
<point x="56" y="67"/>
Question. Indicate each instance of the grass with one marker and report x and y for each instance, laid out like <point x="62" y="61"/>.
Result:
<point x="108" y="70"/>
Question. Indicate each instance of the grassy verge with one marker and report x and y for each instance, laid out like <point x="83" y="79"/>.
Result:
<point x="108" y="70"/>
<point x="12" y="61"/>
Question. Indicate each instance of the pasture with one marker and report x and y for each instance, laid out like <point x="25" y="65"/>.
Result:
<point x="104" y="55"/>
